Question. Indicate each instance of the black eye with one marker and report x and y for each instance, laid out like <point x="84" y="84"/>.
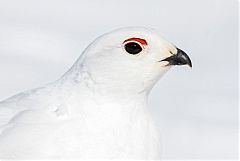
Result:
<point x="133" y="48"/>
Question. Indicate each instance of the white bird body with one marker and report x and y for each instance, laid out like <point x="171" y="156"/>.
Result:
<point x="98" y="109"/>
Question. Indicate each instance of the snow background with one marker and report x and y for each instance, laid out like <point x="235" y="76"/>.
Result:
<point x="196" y="109"/>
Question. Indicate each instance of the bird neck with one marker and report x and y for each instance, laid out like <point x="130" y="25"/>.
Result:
<point x="86" y="95"/>
<point x="84" y="80"/>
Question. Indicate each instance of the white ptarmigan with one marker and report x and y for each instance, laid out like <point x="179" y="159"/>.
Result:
<point x="98" y="108"/>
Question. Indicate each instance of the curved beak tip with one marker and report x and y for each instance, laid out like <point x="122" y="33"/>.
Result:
<point x="190" y="64"/>
<point x="181" y="58"/>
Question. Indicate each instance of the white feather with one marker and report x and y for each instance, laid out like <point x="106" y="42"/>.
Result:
<point x="96" y="110"/>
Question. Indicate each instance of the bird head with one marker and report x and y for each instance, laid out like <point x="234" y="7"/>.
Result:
<point x="130" y="59"/>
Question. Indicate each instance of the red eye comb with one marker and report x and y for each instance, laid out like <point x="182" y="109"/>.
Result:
<point x="141" y="41"/>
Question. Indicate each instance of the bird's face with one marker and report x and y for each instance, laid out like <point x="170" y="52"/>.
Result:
<point x="131" y="59"/>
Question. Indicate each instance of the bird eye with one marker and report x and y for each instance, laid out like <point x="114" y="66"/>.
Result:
<point x="133" y="48"/>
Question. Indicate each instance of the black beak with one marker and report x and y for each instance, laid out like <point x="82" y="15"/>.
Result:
<point x="181" y="58"/>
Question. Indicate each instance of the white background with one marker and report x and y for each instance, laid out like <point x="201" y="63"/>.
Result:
<point x="196" y="109"/>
